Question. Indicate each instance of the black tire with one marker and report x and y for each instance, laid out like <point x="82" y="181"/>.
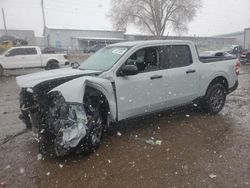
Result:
<point x="215" y="98"/>
<point x="52" y="65"/>
<point x="1" y="71"/>
<point x="89" y="143"/>
<point x="93" y="138"/>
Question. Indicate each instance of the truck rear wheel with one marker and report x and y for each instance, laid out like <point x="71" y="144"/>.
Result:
<point x="52" y="65"/>
<point x="215" y="99"/>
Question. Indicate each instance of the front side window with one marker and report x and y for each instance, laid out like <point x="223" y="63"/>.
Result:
<point x="17" y="51"/>
<point x="146" y="59"/>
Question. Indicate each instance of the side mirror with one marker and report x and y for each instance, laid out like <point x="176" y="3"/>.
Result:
<point x="128" y="70"/>
<point x="75" y="65"/>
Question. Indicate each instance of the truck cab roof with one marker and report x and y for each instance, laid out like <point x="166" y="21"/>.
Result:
<point x="151" y="42"/>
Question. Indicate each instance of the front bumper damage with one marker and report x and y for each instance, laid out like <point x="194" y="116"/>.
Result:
<point x="57" y="124"/>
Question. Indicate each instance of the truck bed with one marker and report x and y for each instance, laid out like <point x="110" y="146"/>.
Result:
<point x="210" y="59"/>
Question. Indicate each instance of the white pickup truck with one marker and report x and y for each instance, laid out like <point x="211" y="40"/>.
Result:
<point x="73" y="106"/>
<point x="30" y="57"/>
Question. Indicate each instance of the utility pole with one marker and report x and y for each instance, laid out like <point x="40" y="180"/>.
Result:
<point x="44" y="24"/>
<point x="44" y="21"/>
<point x="4" y="22"/>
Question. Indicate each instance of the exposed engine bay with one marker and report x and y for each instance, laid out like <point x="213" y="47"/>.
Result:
<point x="63" y="125"/>
<point x="51" y="117"/>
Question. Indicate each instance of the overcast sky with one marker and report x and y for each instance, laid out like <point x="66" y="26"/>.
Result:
<point x="216" y="16"/>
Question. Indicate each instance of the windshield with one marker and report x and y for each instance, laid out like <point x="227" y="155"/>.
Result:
<point x="104" y="59"/>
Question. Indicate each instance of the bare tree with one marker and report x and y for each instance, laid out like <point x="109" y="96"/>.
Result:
<point x="154" y="16"/>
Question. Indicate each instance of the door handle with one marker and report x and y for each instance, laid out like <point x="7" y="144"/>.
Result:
<point x="156" y="77"/>
<point x="190" y="71"/>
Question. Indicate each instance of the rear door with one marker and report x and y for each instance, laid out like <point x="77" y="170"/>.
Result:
<point x="31" y="58"/>
<point x="182" y="78"/>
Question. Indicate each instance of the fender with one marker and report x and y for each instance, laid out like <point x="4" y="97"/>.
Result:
<point x="52" y="59"/>
<point x="204" y="86"/>
<point x="74" y="90"/>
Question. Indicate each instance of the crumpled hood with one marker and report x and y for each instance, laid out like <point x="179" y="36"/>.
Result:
<point x="31" y="80"/>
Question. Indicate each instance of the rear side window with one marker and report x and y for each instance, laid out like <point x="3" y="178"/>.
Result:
<point x="30" y="51"/>
<point x="178" y="56"/>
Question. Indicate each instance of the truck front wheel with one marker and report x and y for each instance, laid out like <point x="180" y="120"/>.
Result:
<point x="215" y="99"/>
<point x="95" y="130"/>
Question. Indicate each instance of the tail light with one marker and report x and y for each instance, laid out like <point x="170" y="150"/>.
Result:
<point x="237" y="67"/>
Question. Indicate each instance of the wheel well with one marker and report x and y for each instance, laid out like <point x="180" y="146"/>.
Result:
<point x="98" y="100"/>
<point x="220" y="79"/>
<point x="52" y="61"/>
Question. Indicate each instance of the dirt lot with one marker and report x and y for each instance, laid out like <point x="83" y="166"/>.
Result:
<point x="196" y="150"/>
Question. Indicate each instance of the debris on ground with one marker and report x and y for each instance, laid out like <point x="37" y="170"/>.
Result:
<point x="39" y="157"/>
<point x="61" y="165"/>
<point x="109" y="161"/>
<point x="3" y="184"/>
<point x="7" y="167"/>
<point x="212" y="176"/>
<point x="119" y="134"/>
<point x="22" y="170"/>
<point x="48" y="173"/>
<point x="154" y="143"/>
<point x="158" y="142"/>
<point x="150" y="142"/>
<point x="132" y="164"/>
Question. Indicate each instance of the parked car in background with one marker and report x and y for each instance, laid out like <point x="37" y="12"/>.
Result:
<point x="216" y="54"/>
<point x="234" y="49"/>
<point x="52" y="50"/>
<point x="122" y="81"/>
<point x="245" y="56"/>
<point x="30" y="57"/>
<point x="49" y="50"/>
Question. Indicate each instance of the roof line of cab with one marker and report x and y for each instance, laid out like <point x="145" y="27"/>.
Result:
<point x="150" y="42"/>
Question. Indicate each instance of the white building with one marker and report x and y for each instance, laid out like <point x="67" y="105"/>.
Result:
<point x="74" y="39"/>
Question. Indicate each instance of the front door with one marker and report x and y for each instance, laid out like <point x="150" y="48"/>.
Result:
<point x="145" y="92"/>
<point x="22" y="58"/>
<point x="13" y="58"/>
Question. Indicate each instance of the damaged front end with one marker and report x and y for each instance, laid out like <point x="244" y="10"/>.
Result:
<point x="56" y="123"/>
